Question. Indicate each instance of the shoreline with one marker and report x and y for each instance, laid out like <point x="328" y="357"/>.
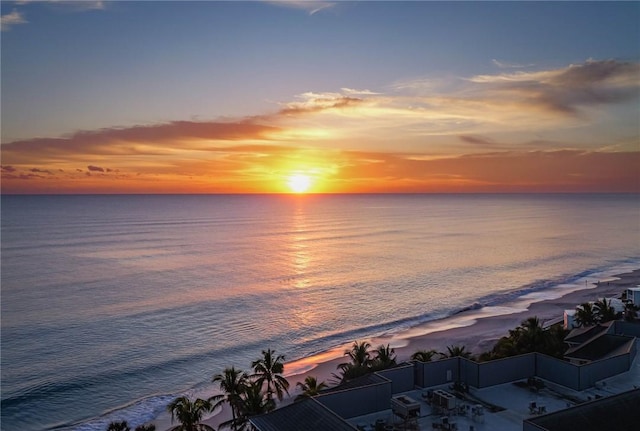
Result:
<point x="476" y="329"/>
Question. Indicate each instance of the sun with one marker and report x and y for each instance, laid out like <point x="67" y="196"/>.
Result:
<point x="299" y="183"/>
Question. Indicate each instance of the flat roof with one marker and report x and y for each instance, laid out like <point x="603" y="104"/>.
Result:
<point x="515" y="399"/>
<point x="582" y="334"/>
<point x="604" y="346"/>
<point x="617" y="412"/>
<point x="308" y="415"/>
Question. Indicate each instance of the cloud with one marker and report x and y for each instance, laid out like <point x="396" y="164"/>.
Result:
<point x="9" y="20"/>
<point x="316" y="102"/>
<point x="568" y="89"/>
<point x="310" y="6"/>
<point x="95" y="168"/>
<point x="508" y="65"/>
<point x="509" y="171"/>
<point x="73" y="5"/>
<point x="352" y="91"/>
<point x="41" y="171"/>
<point x="159" y="140"/>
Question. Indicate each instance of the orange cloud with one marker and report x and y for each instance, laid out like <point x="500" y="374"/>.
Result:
<point x="417" y="138"/>
<point x="264" y="169"/>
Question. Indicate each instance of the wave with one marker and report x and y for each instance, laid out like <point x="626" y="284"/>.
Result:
<point x="137" y="413"/>
<point x="149" y="408"/>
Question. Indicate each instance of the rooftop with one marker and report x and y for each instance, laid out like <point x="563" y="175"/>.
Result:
<point x="308" y="415"/>
<point x="607" y="413"/>
<point x="504" y="407"/>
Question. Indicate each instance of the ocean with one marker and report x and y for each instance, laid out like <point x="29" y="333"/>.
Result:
<point x="114" y="305"/>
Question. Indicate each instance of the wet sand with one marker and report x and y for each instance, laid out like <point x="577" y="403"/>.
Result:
<point x="477" y="330"/>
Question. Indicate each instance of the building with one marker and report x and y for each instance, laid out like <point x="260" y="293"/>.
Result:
<point x="569" y="319"/>
<point x="617" y="412"/>
<point x="633" y="295"/>
<point x="506" y="394"/>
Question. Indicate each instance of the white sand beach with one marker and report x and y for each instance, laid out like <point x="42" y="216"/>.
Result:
<point x="477" y="329"/>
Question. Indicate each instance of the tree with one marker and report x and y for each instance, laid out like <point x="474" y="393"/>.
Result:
<point x="424" y="355"/>
<point x="360" y="361"/>
<point x="253" y="401"/>
<point x="310" y="387"/>
<point x="530" y="336"/>
<point x="232" y="382"/>
<point x="118" y="426"/>
<point x="585" y="315"/>
<point x="124" y="426"/>
<point x="189" y="414"/>
<point x="359" y="354"/>
<point x="269" y="369"/>
<point x="453" y="351"/>
<point x="630" y="311"/>
<point x="604" y="311"/>
<point x="555" y="345"/>
<point x="385" y="357"/>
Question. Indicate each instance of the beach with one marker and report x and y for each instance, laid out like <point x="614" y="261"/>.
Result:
<point x="477" y="330"/>
<point x="113" y="306"/>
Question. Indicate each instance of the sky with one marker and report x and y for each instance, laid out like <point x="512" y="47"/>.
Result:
<point x="321" y="97"/>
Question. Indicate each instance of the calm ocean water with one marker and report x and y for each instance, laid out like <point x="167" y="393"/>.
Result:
<point x="114" y="305"/>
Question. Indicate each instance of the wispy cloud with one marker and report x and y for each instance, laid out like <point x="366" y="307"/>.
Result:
<point x="508" y="65"/>
<point x="76" y="5"/>
<point x="18" y="16"/>
<point x="566" y="90"/>
<point x="473" y="134"/>
<point x="310" y="6"/>
<point x="9" y="20"/>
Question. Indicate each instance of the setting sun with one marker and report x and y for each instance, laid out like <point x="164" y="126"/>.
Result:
<point x="299" y="183"/>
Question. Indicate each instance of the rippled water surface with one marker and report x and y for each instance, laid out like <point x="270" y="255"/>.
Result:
<point x="112" y="305"/>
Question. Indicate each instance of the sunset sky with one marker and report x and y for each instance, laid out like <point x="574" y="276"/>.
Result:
<point x="246" y="97"/>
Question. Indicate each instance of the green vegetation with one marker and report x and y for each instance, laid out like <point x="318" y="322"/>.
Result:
<point x="454" y="351"/>
<point x="362" y="362"/>
<point x="269" y="369"/>
<point x="189" y="414"/>
<point x="253" y="394"/>
<point x="123" y="426"/>
<point x="310" y="387"/>
<point x="529" y="337"/>
<point x="424" y="355"/>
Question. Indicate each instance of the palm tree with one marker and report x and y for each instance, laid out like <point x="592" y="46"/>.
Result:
<point x="531" y="336"/>
<point x="424" y="355"/>
<point x="504" y="347"/>
<point x="555" y="345"/>
<point x="189" y="414"/>
<point x="453" y="351"/>
<point x="232" y="382"/>
<point x="604" y="311"/>
<point x="585" y="315"/>
<point x="310" y="387"/>
<point x="124" y="426"/>
<point x="269" y="369"/>
<point x="359" y="354"/>
<point x="360" y="361"/>
<point x="118" y="426"/>
<point x="630" y="311"/>
<point x="385" y="357"/>
<point x="252" y="402"/>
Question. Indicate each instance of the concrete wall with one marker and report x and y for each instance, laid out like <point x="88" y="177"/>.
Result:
<point x="627" y="328"/>
<point x="402" y="378"/>
<point x="557" y="371"/>
<point x="595" y="371"/>
<point x="438" y="372"/>
<point x="506" y="370"/>
<point x="469" y="372"/>
<point x="358" y="401"/>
